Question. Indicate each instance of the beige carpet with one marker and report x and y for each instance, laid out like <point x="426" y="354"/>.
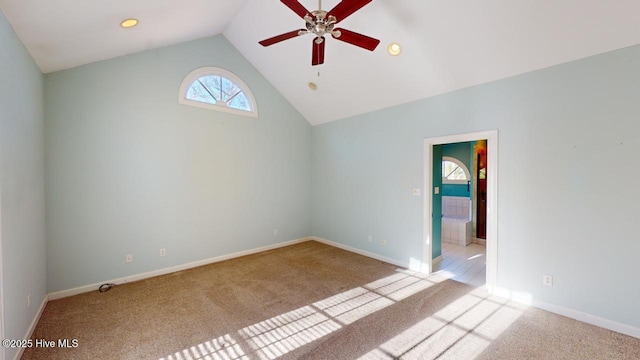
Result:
<point x="312" y="301"/>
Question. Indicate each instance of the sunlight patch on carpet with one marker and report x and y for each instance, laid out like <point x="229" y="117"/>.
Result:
<point x="461" y="330"/>
<point x="284" y="333"/>
<point x="281" y="334"/>
<point x="353" y="305"/>
<point x="222" y="348"/>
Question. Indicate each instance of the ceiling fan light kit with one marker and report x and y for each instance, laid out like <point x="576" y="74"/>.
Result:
<point x="321" y="22"/>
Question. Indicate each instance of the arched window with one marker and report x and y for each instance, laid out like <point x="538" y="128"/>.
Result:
<point x="454" y="171"/>
<point x="217" y="89"/>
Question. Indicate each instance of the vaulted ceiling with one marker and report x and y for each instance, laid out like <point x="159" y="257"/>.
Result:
<point x="446" y="44"/>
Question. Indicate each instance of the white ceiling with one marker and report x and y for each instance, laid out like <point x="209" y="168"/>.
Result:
<point x="447" y="44"/>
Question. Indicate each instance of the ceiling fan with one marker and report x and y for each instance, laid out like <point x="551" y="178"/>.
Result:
<point x="321" y="22"/>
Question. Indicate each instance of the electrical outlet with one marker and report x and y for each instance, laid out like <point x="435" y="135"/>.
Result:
<point x="29" y="300"/>
<point x="383" y="242"/>
<point x="547" y="280"/>
<point x="276" y="232"/>
<point x="370" y="238"/>
<point x="163" y="252"/>
<point x="128" y="258"/>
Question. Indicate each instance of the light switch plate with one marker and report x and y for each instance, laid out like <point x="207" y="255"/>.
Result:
<point x="436" y="190"/>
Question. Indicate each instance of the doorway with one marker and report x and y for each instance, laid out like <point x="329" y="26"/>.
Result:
<point x="462" y="193"/>
<point x="432" y="199"/>
<point x="480" y="190"/>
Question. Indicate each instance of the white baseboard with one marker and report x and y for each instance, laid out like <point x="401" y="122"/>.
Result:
<point x="436" y="261"/>
<point x="137" y="277"/>
<point x="32" y="327"/>
<point x="589" y="319"/>
<point x="361" y="252"/>
<point x="515" y="296"/>
<point x="570" y="313"/>
<point x="518" y="297"/>
<point x="92" y="287"/>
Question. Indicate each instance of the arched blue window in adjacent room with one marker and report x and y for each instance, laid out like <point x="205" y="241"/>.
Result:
<point x="454" y="171"/>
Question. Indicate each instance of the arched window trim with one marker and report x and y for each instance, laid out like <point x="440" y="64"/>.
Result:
<point x="462" y="166"/>
<point x="212" y="70"/>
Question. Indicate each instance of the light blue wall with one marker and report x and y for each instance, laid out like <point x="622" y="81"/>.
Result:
<point x="129" y="170"/>
<point x="21" y="186"/>
<point x="574" y="123"/>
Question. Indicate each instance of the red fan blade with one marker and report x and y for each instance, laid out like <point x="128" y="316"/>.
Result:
<point x="346" y="8"/>
<point x="356" y="39"/>
<point x="296" y="7"/>
<point x="281" y="37"/>
<point x="318" y="52"/>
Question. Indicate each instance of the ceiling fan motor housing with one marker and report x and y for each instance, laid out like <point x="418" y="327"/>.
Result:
<point x="318" y="23"/>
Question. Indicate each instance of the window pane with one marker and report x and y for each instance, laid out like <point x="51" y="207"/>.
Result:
<point x="212" y="83"/>
<point x="229" y="89"/>
<point x="240" y="102"/>
<point x="198" y="93"/>
<point x="457" y="174"/>
<point x="452" y="171"/>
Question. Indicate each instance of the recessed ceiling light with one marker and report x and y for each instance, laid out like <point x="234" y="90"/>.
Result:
<point x="394" y="49"/>
<point x="129" y="23"/>
<point x="312" y="85"/>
